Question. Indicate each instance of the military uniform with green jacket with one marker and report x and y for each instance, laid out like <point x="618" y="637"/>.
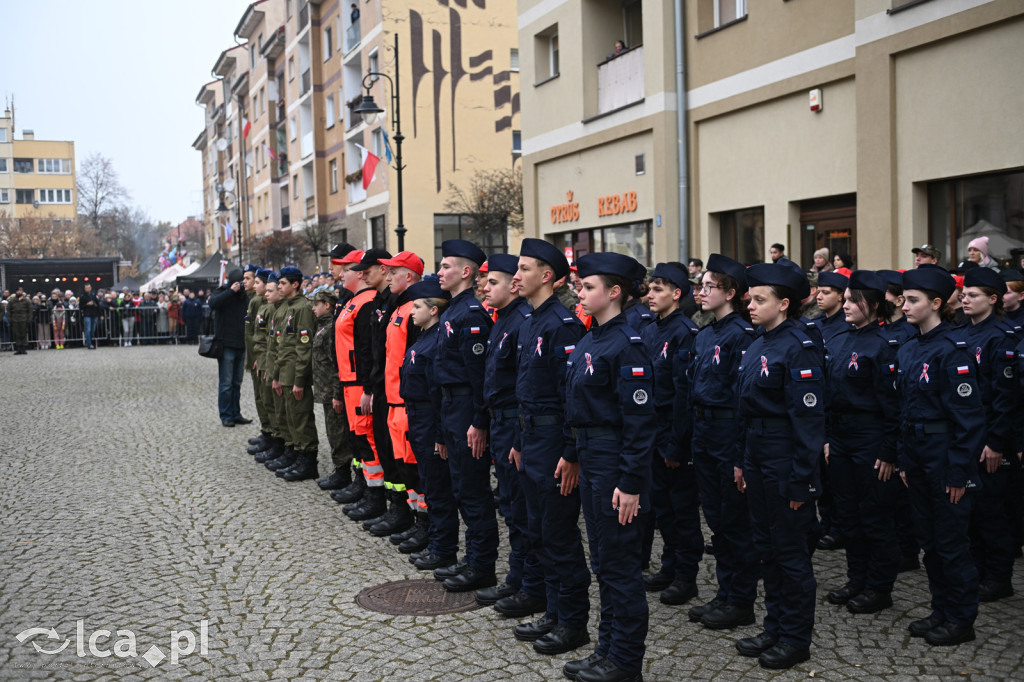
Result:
<point x="295" y="369"/>
<point x="19" y="312"/>
<point x="327" y="388"/>
<point x="251" y="330"/>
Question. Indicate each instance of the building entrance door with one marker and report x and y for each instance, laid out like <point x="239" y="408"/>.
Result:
<point x="828" y="223"/>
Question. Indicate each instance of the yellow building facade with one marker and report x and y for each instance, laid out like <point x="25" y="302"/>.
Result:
<point x="37" y="177"/>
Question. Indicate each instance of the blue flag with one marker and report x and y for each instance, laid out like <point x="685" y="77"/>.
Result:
<point x="387" y="144"/>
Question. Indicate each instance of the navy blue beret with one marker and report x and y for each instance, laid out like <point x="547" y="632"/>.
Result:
<point x="727" y="266"/>
<point x="289" y="272"/>
<point x="427" y="289"/>
<point x="503" y="262"/>
<point x="616" y="264"/>
<point x="674" y="274"/>
<point x="547" y="252"/>
<point x="251" y="268"/>
<point x="773" y="274"/>
<point x="264" y="274"/>
<point x="1012" y="275"/>
<point x="272" y="277"/>
<point x="930" y="279"/>
<point x="834" y="280"/>
<point x="984" y="277"/>
<point x="894" y="277"/>
<point x="866" y="279"/>
<point x="460" y="248"/>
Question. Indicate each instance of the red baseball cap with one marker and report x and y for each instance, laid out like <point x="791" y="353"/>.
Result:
<point x="404" y="259"/>
<point x="484" y="268"/>
<point x="351" y="257"/>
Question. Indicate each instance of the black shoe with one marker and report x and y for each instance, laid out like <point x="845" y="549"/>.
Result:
<point x="697" y="612"/>
<point x="949" y="634"/>
<point x="401" y="536"/>
<point x="432" y="562"/>
<point x="678" y="593"/>
<point x="339" y="478"/>
<point x="419" y="539"/>
<point x="782" y="656"/>
<point x="869" y="601"/>
<point x="227" y="422"/>
<point x="259" y="440"/>
<point x="415" y="556"/>
<point x="830" y="542"/>
<point x="274" y="449"/>
<point x="304" y="469"/>
<point x="534" y="630"/>
<point x="401" y="520"/>
<point x="709" y="548"/>
<point x="491" y="595"/>
<point x="472" y="578"/>
<point x="909" y="563"/>
<point x="606" y="671"/>
<point x="370" y="507"/>
<point x="560" y="640"/>
<point x="520" y="605"/>
<point x="449" y="571"/>
<point x="242" y="420"/>
<point x="353" y="492"/>
<point x="283" y="462"/>
<point x="752" y="647"/>
<point x="994" y="591"/>
<point x="656" y="582"/>
<point x="574" y="668"/>
<point x="919" y="628"/>
<point x="386" y="516"/>
<point x="728" y="616"/>
<point x="843" y="594"/>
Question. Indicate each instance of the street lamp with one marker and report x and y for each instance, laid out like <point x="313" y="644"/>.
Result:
<point x="370" y="110"/>
<point x="223" y="213"/>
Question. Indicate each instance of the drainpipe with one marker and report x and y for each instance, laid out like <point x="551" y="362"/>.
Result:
<point x="682" y="145"/>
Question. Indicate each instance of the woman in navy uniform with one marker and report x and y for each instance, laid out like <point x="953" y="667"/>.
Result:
<point x="717" y="445"/>
<point x="610" y="407"/>
<point x="862" y="429"/>
<point x="992" y="340"/>
<point x="943" y="424"/>
<point x="780" y="396"/>
<point x="896" y="324"/>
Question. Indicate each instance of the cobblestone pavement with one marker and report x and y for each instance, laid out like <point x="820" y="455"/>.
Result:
<point x="126" y="505"/>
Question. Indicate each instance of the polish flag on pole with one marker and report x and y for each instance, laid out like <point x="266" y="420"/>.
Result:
<point x="223" y="277"/>
<point x="246" y="127"/>
<point x="270" y="152"/>
<point x="228" y="231"/>
<point x="370" y="161"/>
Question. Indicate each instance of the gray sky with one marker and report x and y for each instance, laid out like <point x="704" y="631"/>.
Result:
<point x="119" y="77"/>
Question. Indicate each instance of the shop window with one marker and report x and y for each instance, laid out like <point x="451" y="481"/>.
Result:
<point x="742" y="234"/>
<point x="963" y="209"/>
<point x="455" y="226"/>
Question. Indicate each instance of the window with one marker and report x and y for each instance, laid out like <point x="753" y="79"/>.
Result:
<point x="379" y="232"/>
<point x="295" y="186"/>
<point x="634" y="22"/>
<point x="962" y="209"/>
<point x="24" y="196"/>
<point x="641" y="164"/>
<point x="3" y="134"/>
<point x="288" y="7"/>
<point x="3" y="166"/>
<point x="266" y="205"/>
<point x="248" y="214"/>
<point x="742" y="234"/>
<point x="54" y="196"/>
<point x="334" y="176"/>
<point x="259" y="43"/>
<point x="328" y="43"/>
<point x="291" y="68"/>
<point x="377" y="143"/>
<point x="330" y="111"/>
<point x="513" y="60"/>
<point x="341" y="105"/>
<point x="517" y="143"/>
<point x="252" y="56"/>
<point x="23" y="165"/>
<point x="546" y="52"/>
<point x="255" y="104"/>
<point x="5" y="196"/>
<point x="727" y="11"/>
<point x="374" y="64"/>
<point x="263" y="100"/>
<point x="293" y="128"/>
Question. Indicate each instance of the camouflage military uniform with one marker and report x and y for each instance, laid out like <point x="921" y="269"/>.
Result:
<point x="294" y="329"/>
<point x="326" y="388"/>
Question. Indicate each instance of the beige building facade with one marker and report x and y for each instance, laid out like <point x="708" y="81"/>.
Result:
<point x="861" y="126"/>
<point x="37" y="177"/>
<point x="298" y="78"/>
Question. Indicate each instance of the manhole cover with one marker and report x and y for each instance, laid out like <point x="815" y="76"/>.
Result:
<point x="415" y="598"/>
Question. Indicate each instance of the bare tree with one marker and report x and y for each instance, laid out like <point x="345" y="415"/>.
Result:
<point x="44" y="237"/>
<point x="275" y="249"/>
<point x="494" y="201"/>
<point x="317" y="238"/>
<point x="100" y="192"/>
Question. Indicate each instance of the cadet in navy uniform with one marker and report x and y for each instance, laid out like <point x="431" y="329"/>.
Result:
<point x="610" y="407"/>
<point x="639" y="316"/>
<point x="862" y="430"/>
<point x="780" y="396"/>
<point x="1012" y="299"/>
<point x="547" y="456"/>
<point x="501" y="294"/>
<point x="459" y="370"/>
<point x="993" y="341"/>
<point x="422" y="399"/>
<point x="717" y="445"/>
<point x="832" y="320"/>
<point x="669" y="344"/>
<point x="943" y="432"/>
<point x="896" y="326"/>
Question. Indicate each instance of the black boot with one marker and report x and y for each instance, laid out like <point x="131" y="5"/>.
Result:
<point x="420" y="536"/>
<point x="258" y="443"/>
<point x="387" y="516"/>
<point x="372" y="506"/>
<point x="275" y="448"/>
<point x="353" y="492"/>
<point x="341" y="477"/>
<point x="401" y="520"/>
<point x="305" y="467"/>
<point x="284" y="461"/>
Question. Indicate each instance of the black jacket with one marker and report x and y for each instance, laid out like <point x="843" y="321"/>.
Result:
<point x="229" y="319"/>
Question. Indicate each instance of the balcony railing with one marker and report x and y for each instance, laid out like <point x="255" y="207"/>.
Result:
<point x="353" y="34"/>
<point x="307" y="144"/>
<point x="353" y="120"/>
<point x="310" y="206"/>
<point x="620" y="81"/>
<point x="307" y="82"/>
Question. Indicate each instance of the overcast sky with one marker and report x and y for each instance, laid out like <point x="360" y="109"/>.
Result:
<point x="119" y="77"/>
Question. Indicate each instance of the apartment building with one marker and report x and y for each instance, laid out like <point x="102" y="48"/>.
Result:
<point x="298" y="85"/>
<point x="863" y="126"/>
<point x="37" y="177"/>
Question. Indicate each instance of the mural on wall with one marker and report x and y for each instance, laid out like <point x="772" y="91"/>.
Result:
<point x="476" y="68"/>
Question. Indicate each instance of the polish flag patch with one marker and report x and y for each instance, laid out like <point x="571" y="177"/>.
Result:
<point x="963" y="369"/>
<point x="806" y="374"/>
<point x="638" y="371"/>
<point x="474" y="330"/>
<point x="569" y="349"/>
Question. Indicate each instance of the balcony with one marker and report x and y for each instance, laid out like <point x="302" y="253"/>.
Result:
<point x="306" y="83"/>
<point x="353" y="119"/>
<point x="310" y="207"/>
<point x="353" y="34"/>
<point x="307" y="144"/>
<point x="620" y="81"/>
<point x="303" y="16"/>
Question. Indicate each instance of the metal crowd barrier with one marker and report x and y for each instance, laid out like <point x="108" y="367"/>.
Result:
<point x="134" y="326"/>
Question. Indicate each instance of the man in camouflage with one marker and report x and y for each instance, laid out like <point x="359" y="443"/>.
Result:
<point x="327" y="391"/>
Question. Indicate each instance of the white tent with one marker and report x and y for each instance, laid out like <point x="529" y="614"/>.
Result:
<point x="167" y="276"/>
